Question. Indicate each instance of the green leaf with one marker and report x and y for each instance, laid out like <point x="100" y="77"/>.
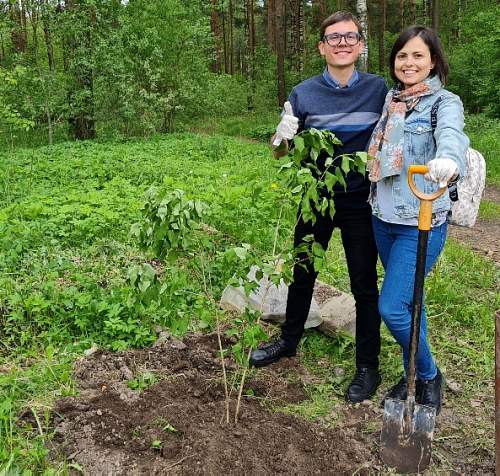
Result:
<point x="345" y="164"/>
<point x="298" y="143"/>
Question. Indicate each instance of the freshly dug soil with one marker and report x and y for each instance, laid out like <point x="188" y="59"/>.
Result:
<point x="177" y="425"/>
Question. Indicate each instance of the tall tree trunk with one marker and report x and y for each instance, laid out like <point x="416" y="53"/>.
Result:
<point x="401" y="15"/>
<point x="250" y="50"/>
<point x="32" y="11"/>
<point x="216" y="33"/>
<point x="46" y="25"/>
<point x="280" y="50"/>
<point x="362" y="13"/>
<point x="2" y="49"/>
<point x="435" y="14"/>
<point x="297" y="14"/>
<point x="18" y="32"/>
<point x="319" y="13"/>
<point x="224" y="44"/>
<point x="427" y="12"/>
<point x="413" y="12"/>
<point x="381" y="44"/>
<point x="271" y="25"/>
<point x="231" y="37"/>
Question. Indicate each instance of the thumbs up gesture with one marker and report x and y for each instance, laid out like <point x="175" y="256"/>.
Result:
<point x="288" y="125"/>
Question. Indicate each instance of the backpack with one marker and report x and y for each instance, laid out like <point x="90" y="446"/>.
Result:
<point x="467" y="192"/>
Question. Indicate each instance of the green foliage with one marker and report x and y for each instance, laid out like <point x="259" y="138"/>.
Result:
<point x="10" y="118"/>
<point x="314" y="183"/>
<point x="483" y="132"/>
<point x="169" y="220"/>
<point x="474" y="62"/>
<point x="142" y="381"/>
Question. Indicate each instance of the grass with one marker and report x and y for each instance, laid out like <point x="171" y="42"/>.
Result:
<point x="483" y="132"/>
<point x="65" y="248"/>
<point x="489" y="210"/>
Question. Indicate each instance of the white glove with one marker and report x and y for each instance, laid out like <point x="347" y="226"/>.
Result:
<point x="441" y="170"/>
<point x="288" y="125"/>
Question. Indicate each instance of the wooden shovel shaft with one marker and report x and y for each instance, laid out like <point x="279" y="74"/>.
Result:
<point x="416" y="316"/>
<point x="424" y="225"/>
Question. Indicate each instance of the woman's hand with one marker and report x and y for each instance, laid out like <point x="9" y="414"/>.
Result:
<point x="441" y="171"/>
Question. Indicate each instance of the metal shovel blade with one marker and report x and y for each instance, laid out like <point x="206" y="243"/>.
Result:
<point x="407" y="449"/>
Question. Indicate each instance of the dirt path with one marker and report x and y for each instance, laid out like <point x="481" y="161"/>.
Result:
<point x="484" y="237"/>
<point x="176" y="425"/>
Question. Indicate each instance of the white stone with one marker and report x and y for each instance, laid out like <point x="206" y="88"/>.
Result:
<point x="336" y="313"/>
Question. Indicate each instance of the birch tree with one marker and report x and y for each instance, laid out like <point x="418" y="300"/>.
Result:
<point x="362" y="13"/>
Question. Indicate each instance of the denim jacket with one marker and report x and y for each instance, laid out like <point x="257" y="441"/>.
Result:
<point x="420" y="147"/>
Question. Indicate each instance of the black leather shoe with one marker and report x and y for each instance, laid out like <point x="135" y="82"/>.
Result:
<point x="271" y="352"/>
<point x="399" y="391"/>
<point x="363" y="385"/>
<point x="430" y="392"/>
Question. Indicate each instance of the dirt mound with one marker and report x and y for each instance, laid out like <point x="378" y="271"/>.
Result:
<point x="176" y="424"/>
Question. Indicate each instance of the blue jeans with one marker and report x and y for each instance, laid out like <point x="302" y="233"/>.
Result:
<point x="397" y="247"/>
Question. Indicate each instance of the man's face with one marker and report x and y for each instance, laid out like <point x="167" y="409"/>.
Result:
<point x="341" y="55"/>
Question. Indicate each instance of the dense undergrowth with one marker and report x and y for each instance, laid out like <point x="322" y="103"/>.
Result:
<point x="66" y="252"/>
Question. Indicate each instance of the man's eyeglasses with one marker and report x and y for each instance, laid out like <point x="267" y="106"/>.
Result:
<point x="351" y="38"/>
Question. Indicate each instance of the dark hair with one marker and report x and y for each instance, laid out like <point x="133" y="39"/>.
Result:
<point x="337" y="17"/>
<point x="431" y="39"/>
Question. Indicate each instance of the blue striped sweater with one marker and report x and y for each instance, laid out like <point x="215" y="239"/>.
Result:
<point x="351" y="113"/>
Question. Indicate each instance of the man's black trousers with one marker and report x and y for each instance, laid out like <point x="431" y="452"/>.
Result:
<point x="361" y="255"/>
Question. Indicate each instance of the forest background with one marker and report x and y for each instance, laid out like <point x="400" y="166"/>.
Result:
<point x="107" y="68"/>
<point x="161" y="87"/>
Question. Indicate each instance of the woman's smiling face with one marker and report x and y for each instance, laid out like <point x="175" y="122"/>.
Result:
<point x="413" y="62"/>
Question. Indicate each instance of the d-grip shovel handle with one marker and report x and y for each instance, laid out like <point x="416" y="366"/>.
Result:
<point x="426" y="199"/>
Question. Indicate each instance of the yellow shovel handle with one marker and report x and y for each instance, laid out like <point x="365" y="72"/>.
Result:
<point x="426" y="199"/>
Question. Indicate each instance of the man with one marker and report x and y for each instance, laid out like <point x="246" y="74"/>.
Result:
<point x="348" y="103"/>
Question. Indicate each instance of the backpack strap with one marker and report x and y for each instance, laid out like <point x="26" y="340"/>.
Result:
<point x="434" y="114"/>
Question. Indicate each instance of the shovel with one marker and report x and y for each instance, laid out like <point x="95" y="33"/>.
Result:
<point x="408" y="428"/>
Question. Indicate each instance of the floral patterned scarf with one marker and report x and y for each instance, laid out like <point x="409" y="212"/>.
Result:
<point x="387" y="141"/>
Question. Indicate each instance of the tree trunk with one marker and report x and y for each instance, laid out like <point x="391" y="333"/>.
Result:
<point x="271" y="25"/>
<point x="250" y="51"/>
<point x="231" y="37"/>
<point x="297" y="14"/>
<point x="216" y="33"/>
<point x="413" y="12"/>
<point x="435" y="14"/>
<point x="319" y="13"/>
<point x="33" y="14"/>
<point x="280" y="50"/>
<point x="224" y="44"/>
<point x="427" y="12"/>
<point x="362" y="13"/>
<point x="381" y="44"/>
<point x="18" y="33"/>
<point x="46" y="25"/>
<point x="402" y="15"/>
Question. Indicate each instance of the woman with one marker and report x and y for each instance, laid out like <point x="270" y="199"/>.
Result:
<point x="405" y="136"/>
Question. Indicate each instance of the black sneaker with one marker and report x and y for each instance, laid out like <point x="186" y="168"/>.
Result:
<point x="399" y="391"/>
<point x="363" y="385"/>
<point x="271" y="352"/>
<point x="430" y="392"/>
